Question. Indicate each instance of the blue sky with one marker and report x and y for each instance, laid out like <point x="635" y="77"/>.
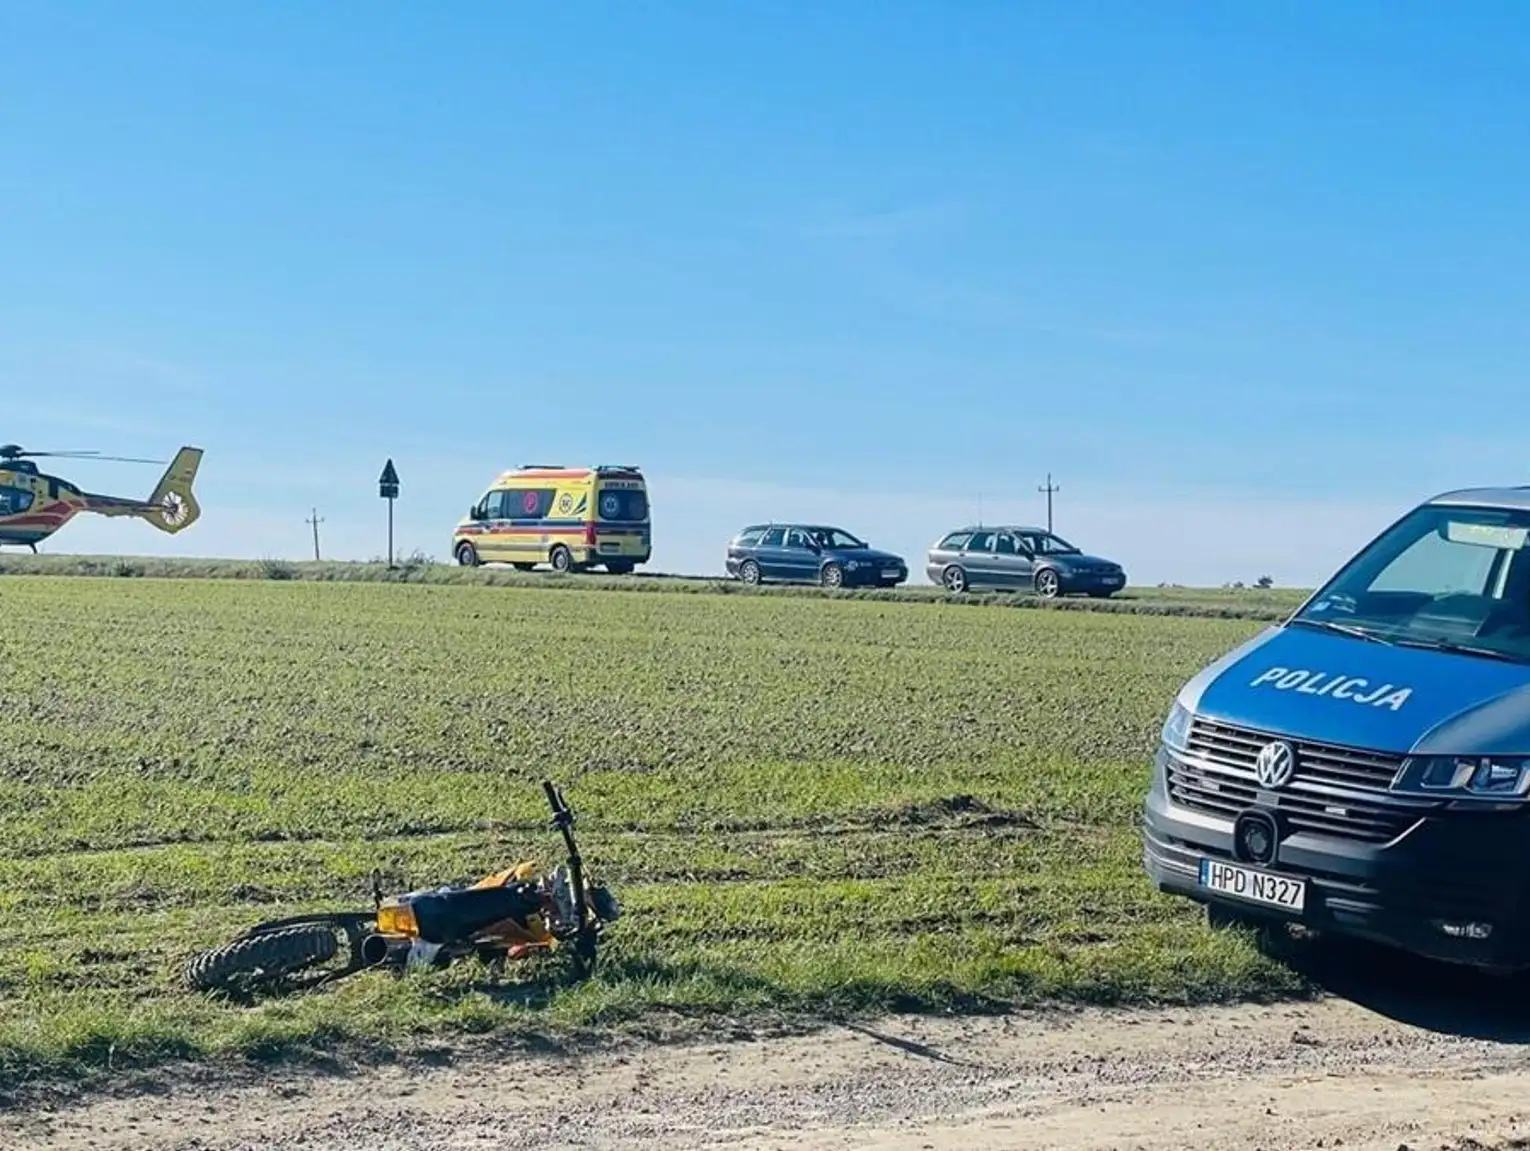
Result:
<point x="1247" y="279"/>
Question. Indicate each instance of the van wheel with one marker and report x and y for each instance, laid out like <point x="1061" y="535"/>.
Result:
<point x="954" y="579"/>
<point x="467" y="554"/>
<point x="749" y="572"/>
<point x="561" y="558"/>
<point x="832" y="576"/>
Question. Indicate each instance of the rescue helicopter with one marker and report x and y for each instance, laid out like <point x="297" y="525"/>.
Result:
<point x="34" y="504"/>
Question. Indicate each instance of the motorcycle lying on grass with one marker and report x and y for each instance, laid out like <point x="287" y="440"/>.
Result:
<point x="510" y="914"/>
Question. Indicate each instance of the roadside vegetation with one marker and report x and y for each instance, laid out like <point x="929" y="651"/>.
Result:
<point x="1235" y="602"/>
<point x="811" y="806"/>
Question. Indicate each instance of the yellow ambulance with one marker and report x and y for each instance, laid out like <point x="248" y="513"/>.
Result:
<point x="571" y="519"/>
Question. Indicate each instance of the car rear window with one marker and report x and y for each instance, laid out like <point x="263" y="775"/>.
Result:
<point x="956" y="540"/>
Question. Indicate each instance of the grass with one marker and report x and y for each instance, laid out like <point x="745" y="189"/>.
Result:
<point x="1251" y="603"/>
<point x="810" y="806"/>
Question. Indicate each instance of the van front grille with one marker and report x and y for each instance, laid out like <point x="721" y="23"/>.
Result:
<point x="1336" y="791"/>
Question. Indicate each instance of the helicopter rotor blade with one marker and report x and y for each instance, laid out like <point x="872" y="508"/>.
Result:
<point x="122" y="459"/>
<point x="15" y="453"/>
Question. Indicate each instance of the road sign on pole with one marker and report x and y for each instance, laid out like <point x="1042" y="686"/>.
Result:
<point x="387" y="488"/>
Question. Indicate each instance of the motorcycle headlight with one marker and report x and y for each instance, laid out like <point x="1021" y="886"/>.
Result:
<point x="1502" y="777"/>
<point x="396" y="919"/>
<point x="1176" y="728"/>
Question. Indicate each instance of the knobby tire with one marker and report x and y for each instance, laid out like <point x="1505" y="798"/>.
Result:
<point x="269" y="954"/>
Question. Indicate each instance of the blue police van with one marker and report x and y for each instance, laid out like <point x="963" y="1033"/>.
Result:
<point x="1363" y="767"/>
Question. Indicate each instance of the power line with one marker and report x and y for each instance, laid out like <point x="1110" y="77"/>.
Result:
<point x="315" y="520"/>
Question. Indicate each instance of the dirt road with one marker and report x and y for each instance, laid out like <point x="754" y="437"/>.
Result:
<point x="1329" y="1074"/>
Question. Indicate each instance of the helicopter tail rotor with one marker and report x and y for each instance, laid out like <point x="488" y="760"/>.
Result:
<point x="175" y="507"/>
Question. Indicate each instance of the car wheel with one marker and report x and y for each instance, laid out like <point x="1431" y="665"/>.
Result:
<point x="467" y="554"/>
<point x="954" y="580"/>
<point x="832" y="576"/>
<point x="749" y="572"/>
<point x="1048" y="586"/>
<point x="561" y="558"/>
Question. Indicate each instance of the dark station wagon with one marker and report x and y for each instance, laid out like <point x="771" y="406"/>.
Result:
<point x="1010" y="558"/>
<point x="810" y="553"/>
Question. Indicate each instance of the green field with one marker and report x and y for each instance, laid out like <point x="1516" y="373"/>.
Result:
<point x="810" y="806"/>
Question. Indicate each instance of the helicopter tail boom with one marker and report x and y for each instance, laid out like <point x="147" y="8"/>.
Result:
<point x="171" y="507"/>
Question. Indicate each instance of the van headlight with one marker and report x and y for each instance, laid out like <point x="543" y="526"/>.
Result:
<point x="1176" y="728"/>
<point x="1464" y="776"/>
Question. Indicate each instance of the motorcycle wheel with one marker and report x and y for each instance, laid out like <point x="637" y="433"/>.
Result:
<point x="271" y="953"/>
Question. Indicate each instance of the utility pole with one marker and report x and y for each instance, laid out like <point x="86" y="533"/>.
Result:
<point x="1049" y="489"/>
<point x="315" y="521"/>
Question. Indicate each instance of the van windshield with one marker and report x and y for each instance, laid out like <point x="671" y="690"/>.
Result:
<point x="1452" y="578"/>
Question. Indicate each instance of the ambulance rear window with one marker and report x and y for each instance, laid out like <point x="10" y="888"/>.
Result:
<point x="628" y="505"/>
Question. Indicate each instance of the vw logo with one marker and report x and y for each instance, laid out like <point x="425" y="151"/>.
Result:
<point x="1275" y="765"/>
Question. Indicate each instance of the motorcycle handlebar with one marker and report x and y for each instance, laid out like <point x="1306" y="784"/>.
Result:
<point x="554" y="799"/>
<point x="563" y="820"/>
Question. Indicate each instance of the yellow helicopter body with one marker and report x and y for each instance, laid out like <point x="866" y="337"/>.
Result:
<point x="34" y="505"/>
